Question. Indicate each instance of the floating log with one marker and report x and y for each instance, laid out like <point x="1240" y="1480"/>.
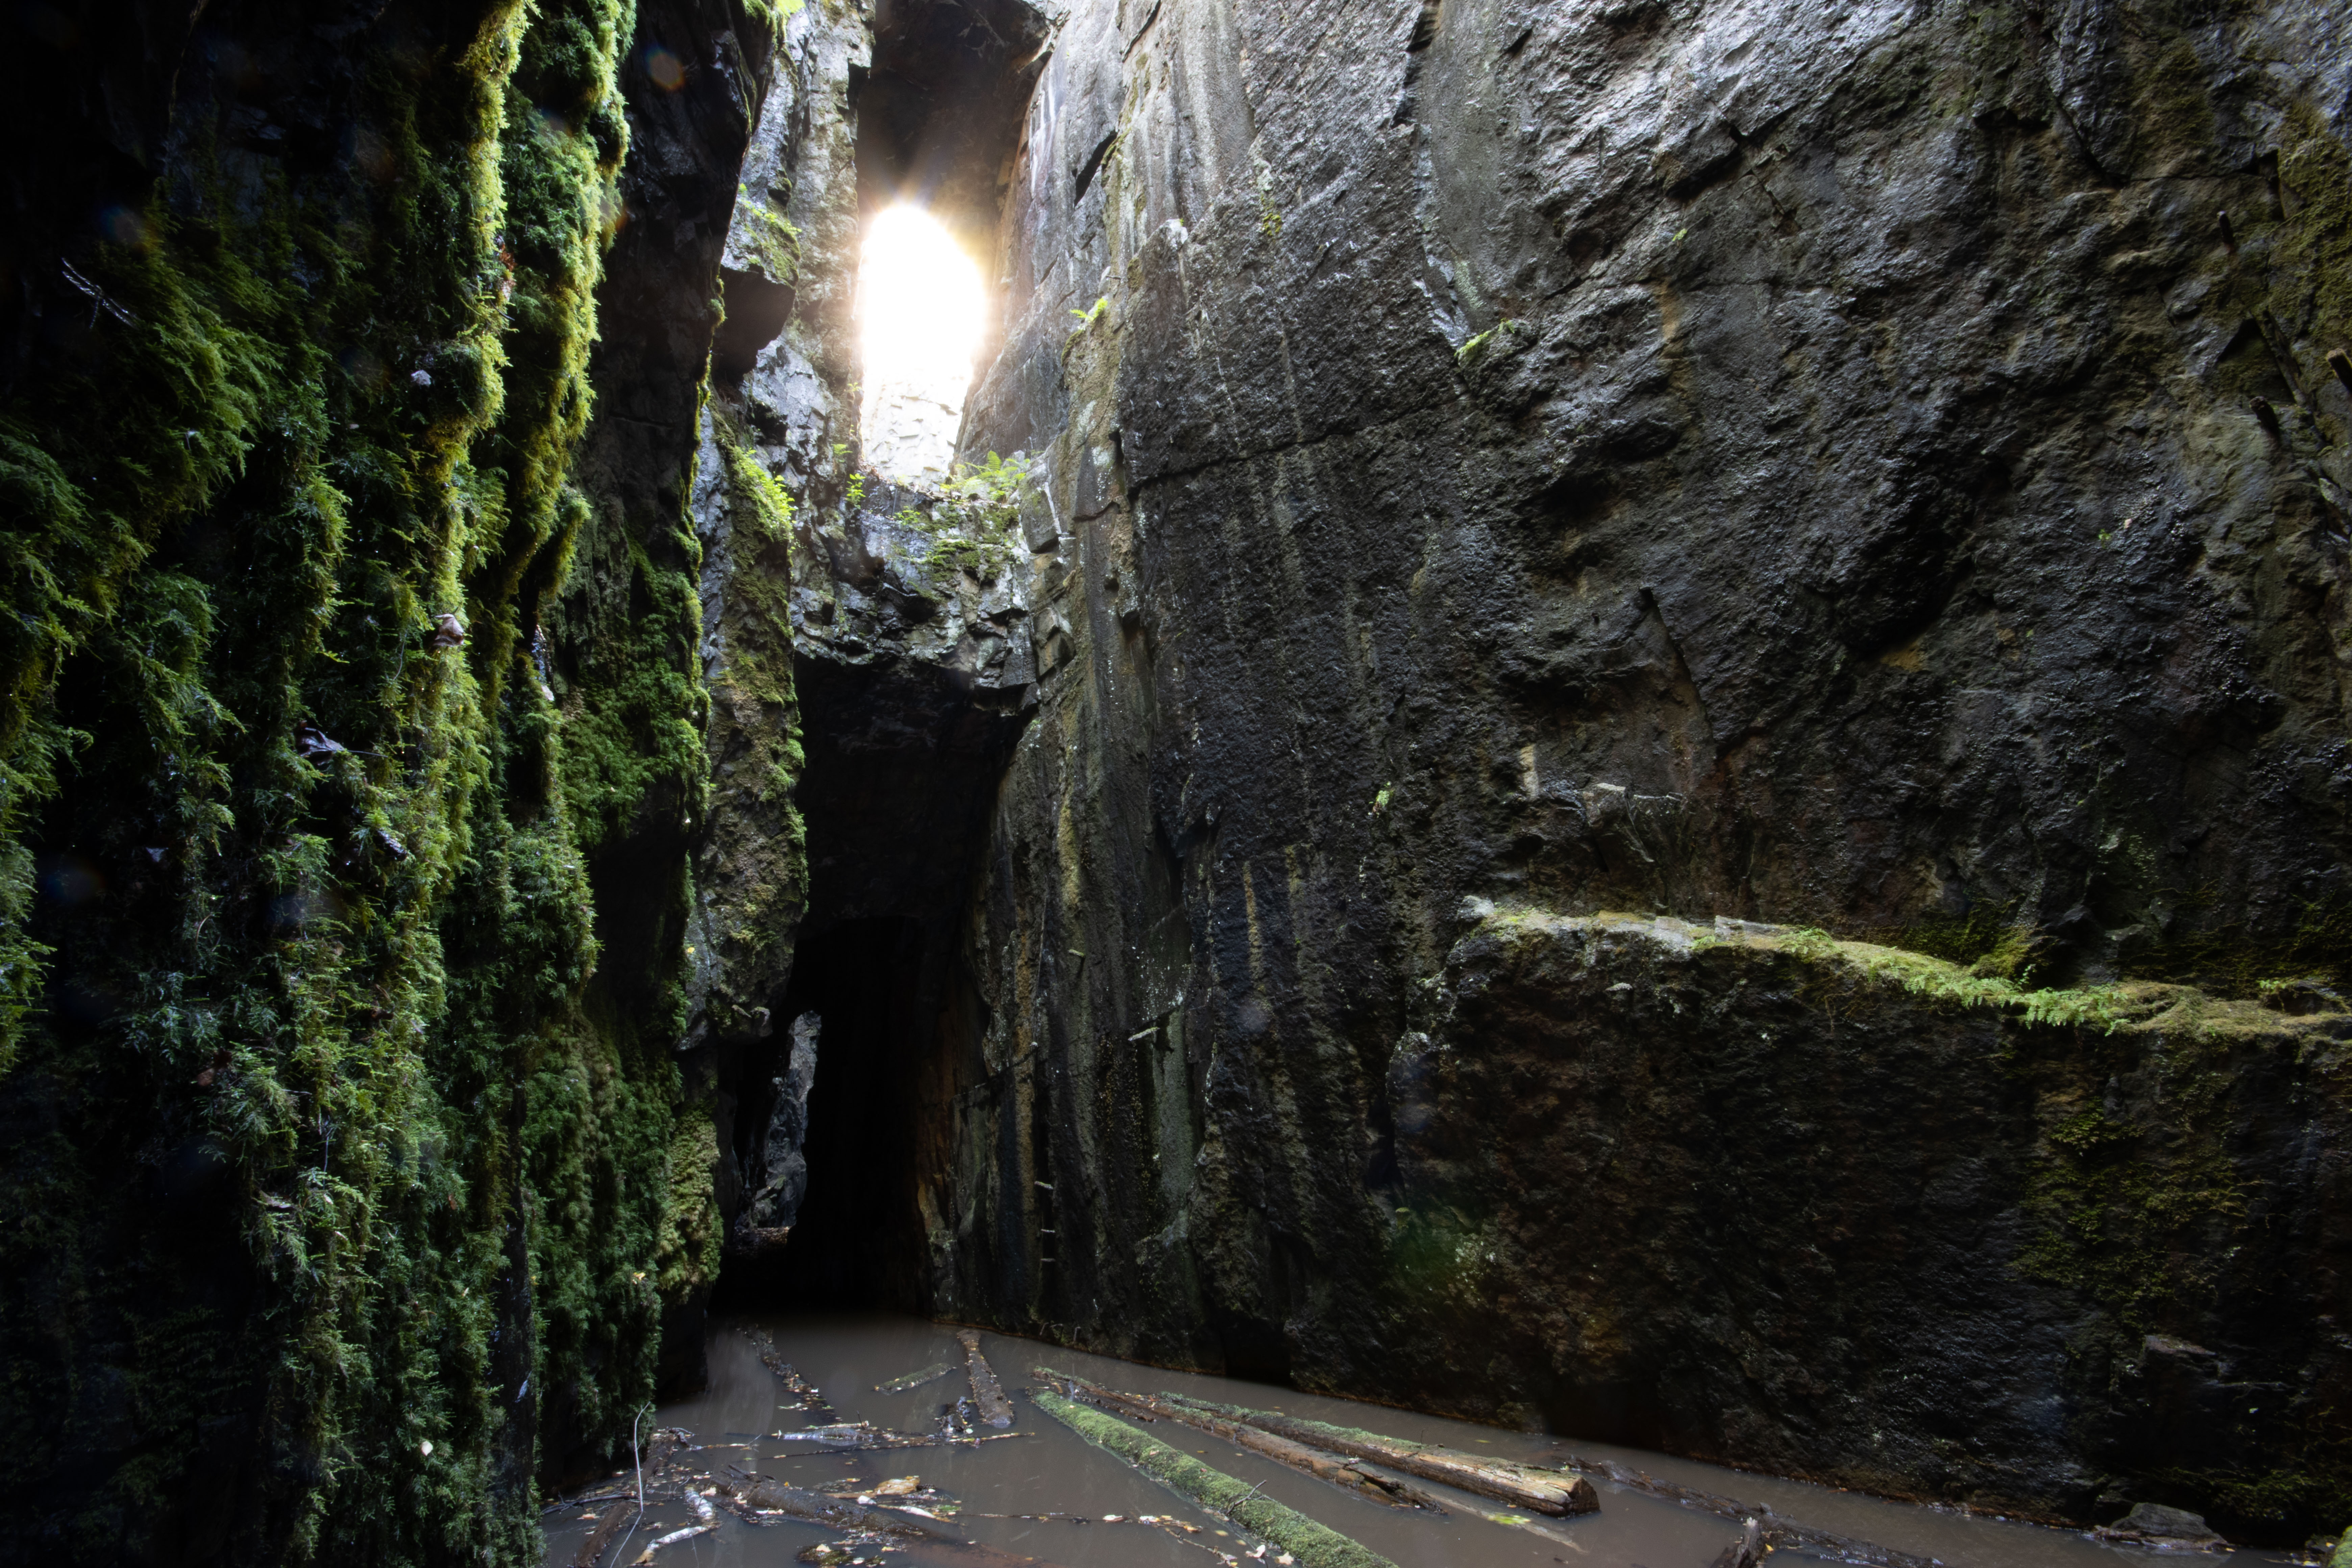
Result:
<point x="1546" y="1491"/>
<point x="850" y="1437"/>
<point x="1775" y="1532"/>
<point x="931" y="1373"/>
<point x="1314" y="1545"/>
<point x="1376" y="1488"/>
<point x="851" y="1517"/>
<point x="840" y="1513"/>
<point x="806" y="1394"/>
<point x="987" y="1394"/>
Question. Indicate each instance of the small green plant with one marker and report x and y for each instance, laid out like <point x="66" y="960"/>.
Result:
<point x="1475" y="348"/>
<point x="973" y="521"/>
<point x="856" y="495"/>
<point x="1087" y="318"/>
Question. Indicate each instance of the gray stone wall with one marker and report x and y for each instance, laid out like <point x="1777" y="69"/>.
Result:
<point x="1872" y="468"/>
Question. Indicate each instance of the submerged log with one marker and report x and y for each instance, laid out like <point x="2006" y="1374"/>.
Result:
<point x="1314" y="1545"/>
<point x="1376" y="1488"/>
<point x="931" y="1373"/>
<point x="601" y="1537"/>
<point x="808" y="1395"/>
<point x="1748" y="1551"/>
<point x="1546" y="1491"/>
<point x="987" y="1394"/>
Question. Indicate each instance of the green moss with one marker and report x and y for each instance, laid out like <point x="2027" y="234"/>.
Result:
<point x="759" y="838"/>
<point x="772" y="240"/>
<point x="973" y="523"/>
<point x="1475" y="349"/>
<point x="1435" y="1257"/>
<point x="342" y="934"/>
<point x="1316" y="1545"/>
<point x="2222" y="958"/>
<point x="2276" y="1499"/>
<point x="2313" y="271"/>
<point x="2136" y="1198"/>
<point x="634" y="719"/>
<point x="2103" y="1007"/>
<point x="687" y="1252"/>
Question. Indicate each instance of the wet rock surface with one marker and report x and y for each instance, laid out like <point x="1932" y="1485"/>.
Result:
<point x="1872" y="469"/>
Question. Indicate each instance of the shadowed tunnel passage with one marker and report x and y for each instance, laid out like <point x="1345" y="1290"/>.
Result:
<point x="903" y="760"/>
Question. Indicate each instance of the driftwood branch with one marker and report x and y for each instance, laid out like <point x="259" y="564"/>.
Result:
<point x="1545" y="1491"/>
<point x="852" y="1517"/>
<point x="931" y="1373"/>
<point x="1314" y="1545"/>
<point x="1748" y="1551"/>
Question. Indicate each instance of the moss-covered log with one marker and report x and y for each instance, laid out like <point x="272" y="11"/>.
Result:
<point x="1316" y="1545"/>
<point x="1381" y="1489"/>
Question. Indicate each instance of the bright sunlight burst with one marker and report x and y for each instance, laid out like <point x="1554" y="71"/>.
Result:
<point x="920" y="309"/>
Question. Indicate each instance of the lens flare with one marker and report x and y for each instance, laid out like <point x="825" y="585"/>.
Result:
<point x="920" y="312"/>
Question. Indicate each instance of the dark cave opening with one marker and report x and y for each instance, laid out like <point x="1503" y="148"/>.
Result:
<point x="858" y="1223"/>
<point x="903" y="764"/>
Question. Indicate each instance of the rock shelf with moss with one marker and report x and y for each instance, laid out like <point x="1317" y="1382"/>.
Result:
<point x="1834" y="1173"/>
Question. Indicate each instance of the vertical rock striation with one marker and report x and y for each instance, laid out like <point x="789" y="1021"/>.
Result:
<point x="1873" y="470"/>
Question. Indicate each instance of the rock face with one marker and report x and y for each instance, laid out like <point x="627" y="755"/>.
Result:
<point x="350" y="758"/>
<point x="1863" y="490"/>
<point x="1875" y="468"/>
<point x="782" y="1172"/>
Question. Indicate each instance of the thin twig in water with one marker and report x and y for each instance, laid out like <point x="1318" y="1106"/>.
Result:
<point x="636" y="1455"/>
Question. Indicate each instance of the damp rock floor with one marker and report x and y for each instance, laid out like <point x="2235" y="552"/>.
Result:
<point x="1046" y="1495"/>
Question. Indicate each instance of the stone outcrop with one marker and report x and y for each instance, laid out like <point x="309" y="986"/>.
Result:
<point x="1875" y="469"/>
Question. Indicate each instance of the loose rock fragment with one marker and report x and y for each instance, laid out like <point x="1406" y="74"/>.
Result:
<point x="2162" y="1529"/>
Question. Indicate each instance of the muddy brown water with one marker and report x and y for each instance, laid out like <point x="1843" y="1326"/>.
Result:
<point x="1049" y="1471"/>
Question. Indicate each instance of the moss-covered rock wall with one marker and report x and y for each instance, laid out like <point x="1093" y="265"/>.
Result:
<point x="351" y="757"/>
